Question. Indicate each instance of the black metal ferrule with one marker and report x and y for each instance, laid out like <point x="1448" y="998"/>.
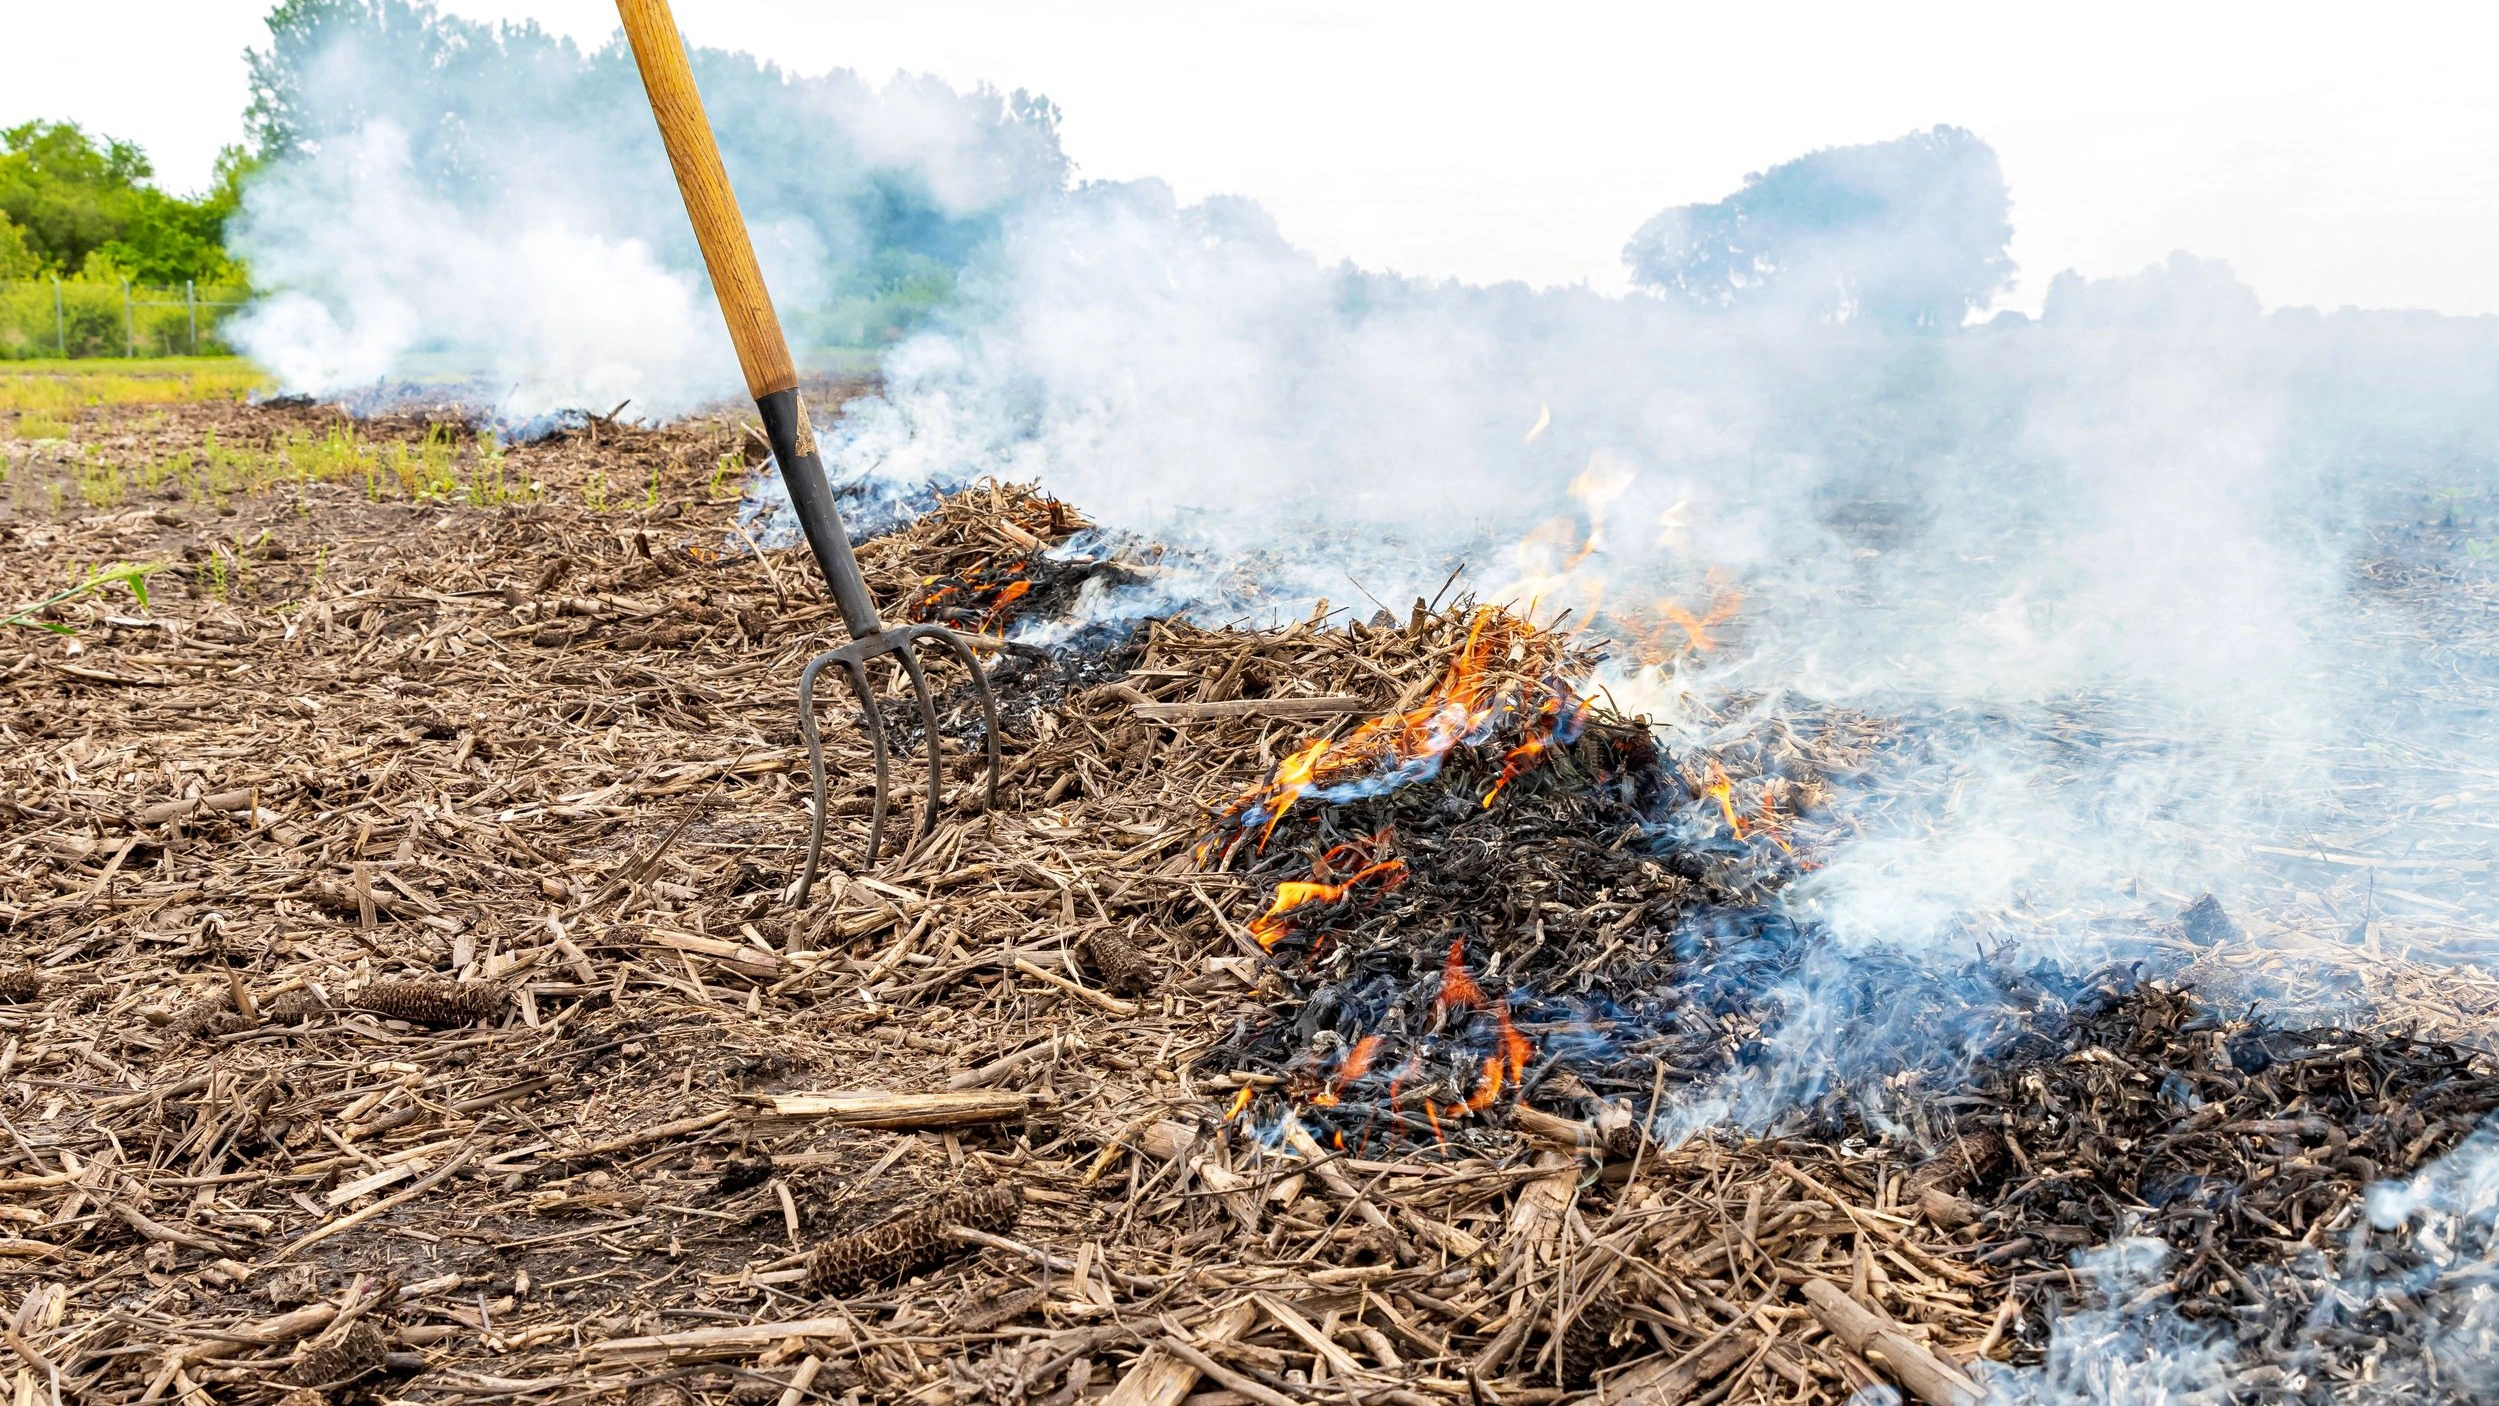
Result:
<point x="811" y="496"/>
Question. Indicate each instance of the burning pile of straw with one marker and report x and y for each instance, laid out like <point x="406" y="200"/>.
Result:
<point x="401" y="1004"/>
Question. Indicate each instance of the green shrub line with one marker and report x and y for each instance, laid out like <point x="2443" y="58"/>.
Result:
<point x="79" y="318"/>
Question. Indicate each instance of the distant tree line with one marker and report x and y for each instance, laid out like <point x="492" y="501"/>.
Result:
<point x="83" y="206"/>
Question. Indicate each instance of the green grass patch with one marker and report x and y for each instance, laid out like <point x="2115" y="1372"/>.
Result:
<point x="59" y="389"/>
<point x="448" y="466"/>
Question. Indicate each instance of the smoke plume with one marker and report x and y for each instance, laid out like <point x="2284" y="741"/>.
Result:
<point x="489" y="206"/>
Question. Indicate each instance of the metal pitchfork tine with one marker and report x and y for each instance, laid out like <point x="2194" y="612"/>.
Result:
<point x="772" y="379"/>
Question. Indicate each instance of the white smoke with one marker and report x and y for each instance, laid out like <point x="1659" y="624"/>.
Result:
<point x="2129" y="1349"/>
<point x="2448" y="1216"/>
<point x="400" y="283"/>
<point x="2126" y="524"/>
<point x="1203" y="380"/>
<point x="2427" y="1267"/>
<point x="2106" y="559"/>
<point x="488" y="210"/>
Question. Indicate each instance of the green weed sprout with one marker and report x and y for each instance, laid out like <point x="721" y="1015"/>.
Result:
<point x="128" y="573"/>
<point x="100" y="481"/>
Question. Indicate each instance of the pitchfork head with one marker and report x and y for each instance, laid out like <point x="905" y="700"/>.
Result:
<point x="901" y="642"/>
<point x="811" y="499"/>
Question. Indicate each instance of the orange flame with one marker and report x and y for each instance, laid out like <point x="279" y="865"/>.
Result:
<point x="1354" y="852"/>
<point x="1014" y="592"/>
<point x="1504" y="1065"/>
<point x="999" y="582"/>
<point x="1270" y="927"/>
<point x="1486" y="680"/>
<point x="1511" y="1050"/>
<point x="1457" y="985"/>
<point x="1722" y="790"/>
<point x="1696" y="628"/>
<point x="1523" y="757"/>
<point x="1358" y="1059"/>
<point x="1519" y="759"/>
<point x="1240" y="1101"/>
<point x="1294" y="775"/>
<point x="1357" y="1063"/>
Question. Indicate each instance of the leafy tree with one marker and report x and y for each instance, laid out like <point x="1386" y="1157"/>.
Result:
<point x="1908" y="233"/>
<point x="286" y="113"/>
<point x="69" y="199"/>
<point x="168" y="239"/>
<point x="2180" y="291"/>
<point x="68" y="193"/>
<point x="868" y="202"/>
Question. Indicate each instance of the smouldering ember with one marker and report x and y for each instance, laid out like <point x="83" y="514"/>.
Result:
<point x="1322" y="887"/>
<point x="980" y="596"/>
<point x="1508" y="671"/>
<point x="1400" y="1033"/>
<point x="993" y="577"/>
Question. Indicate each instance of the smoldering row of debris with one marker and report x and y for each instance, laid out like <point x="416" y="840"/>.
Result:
<point x="397" y="961"/>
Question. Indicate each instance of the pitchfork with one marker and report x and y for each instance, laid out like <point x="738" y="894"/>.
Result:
<point x="772" y="380"/>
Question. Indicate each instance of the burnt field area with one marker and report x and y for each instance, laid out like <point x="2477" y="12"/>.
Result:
<point x="400" y="997"/>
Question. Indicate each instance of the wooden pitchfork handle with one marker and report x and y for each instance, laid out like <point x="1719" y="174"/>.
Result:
<point x="772" y="379"/>
<point x="738" y="282"/>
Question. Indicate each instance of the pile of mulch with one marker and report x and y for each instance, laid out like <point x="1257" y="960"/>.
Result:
<point x="2245" y="1148"/>
<point x="403" y="1001"/>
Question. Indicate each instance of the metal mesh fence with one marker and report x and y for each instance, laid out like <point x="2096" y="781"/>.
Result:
<point x="70" y="317"/>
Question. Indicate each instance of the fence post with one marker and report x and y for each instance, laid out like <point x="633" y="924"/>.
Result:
<point x="191" y="303"/>
<point x="129" y="324"/>
<point x="60" y="319"/>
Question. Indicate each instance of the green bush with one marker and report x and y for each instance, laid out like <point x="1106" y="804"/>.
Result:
<point x="17" y="258"/>
<point x="89" y="319"/>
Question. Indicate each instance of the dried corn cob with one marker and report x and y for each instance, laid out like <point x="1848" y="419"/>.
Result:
<point x="293" y="1006"/>
<point x="1123" y="968"/>
<point x="912" y="1241"/>
<point x="1585" y="1342"/>
<point x="208" y="1017"/>
<point x="356" y="1352"/>
<point x="1963" y="1160"/>
<point x="431" y="1002"/>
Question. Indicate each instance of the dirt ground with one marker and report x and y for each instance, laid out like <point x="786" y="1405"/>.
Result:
<point x="517" y="723"/>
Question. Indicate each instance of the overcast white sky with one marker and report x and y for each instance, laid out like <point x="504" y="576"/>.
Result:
<point x="2334" y="154"/>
